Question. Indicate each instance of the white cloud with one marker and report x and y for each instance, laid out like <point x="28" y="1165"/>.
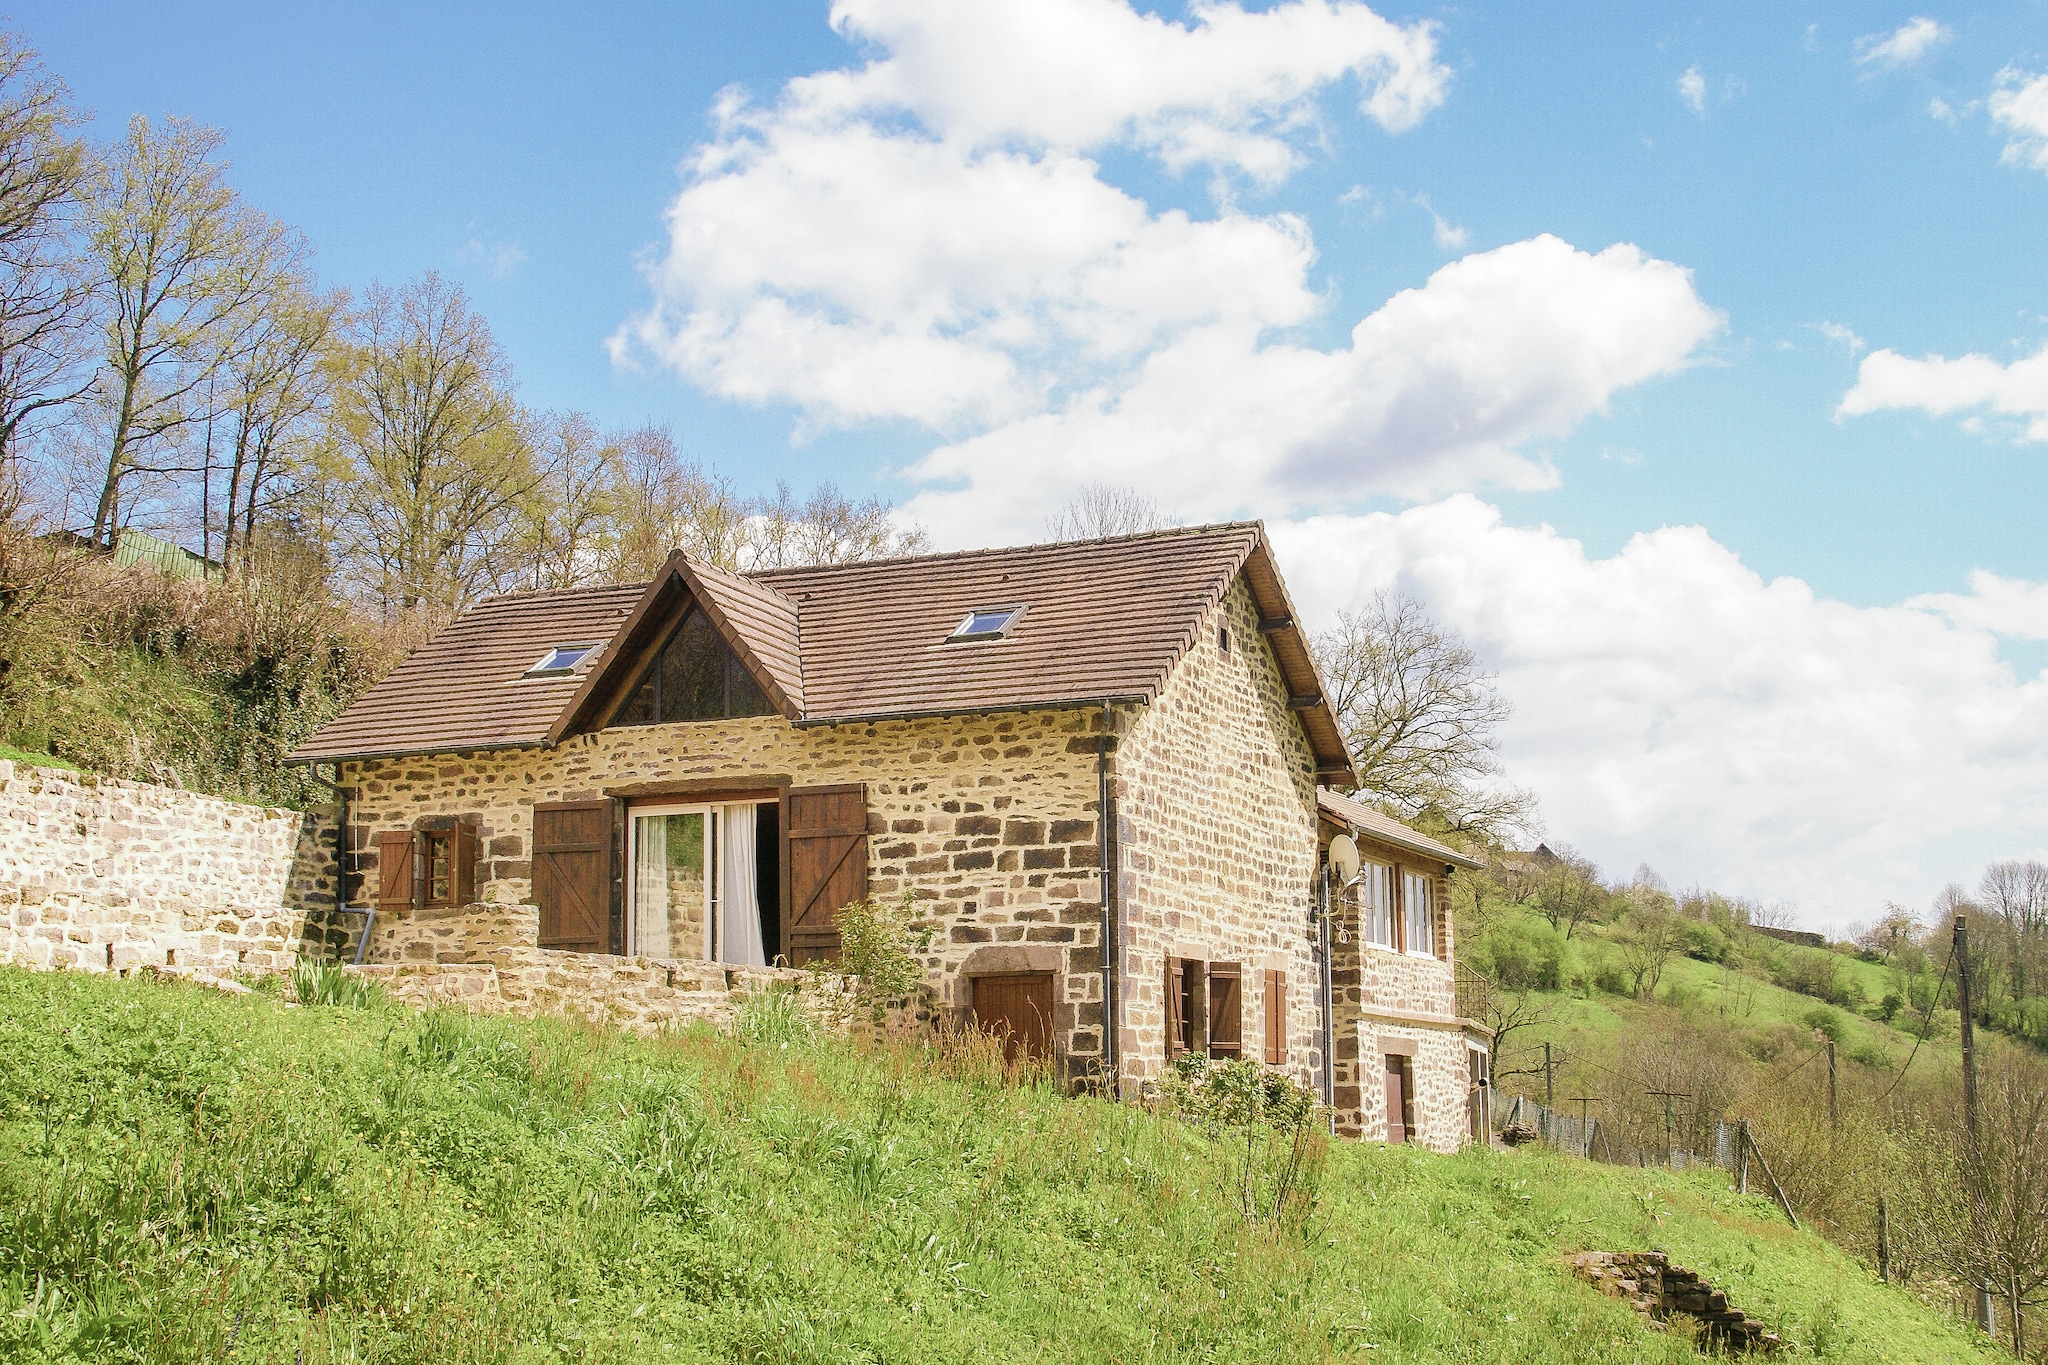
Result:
<point x="1692" y="90"/>
<point x="1937" y="385"/>
<point x="1837" y="332"/>
<point x="1440" y="388"/>
<point x="1674" y="707"/>
<point x="2019" y="104"/>
<point x="925" y="236"/>
<point x="1449" y="236"/>
<point x="1903" y="46"/>
<point x="501" y="259"/>
<point x="2009" y="607"/>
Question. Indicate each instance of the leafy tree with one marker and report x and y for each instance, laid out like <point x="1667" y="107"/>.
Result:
<point x="440" y="468"/>
<point x="187" y="268"/>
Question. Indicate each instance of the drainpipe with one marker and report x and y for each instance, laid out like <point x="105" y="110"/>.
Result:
<point x="1329" y="1003"/>
<point x="1105" y="830"/>
<point x="340" y="906"/>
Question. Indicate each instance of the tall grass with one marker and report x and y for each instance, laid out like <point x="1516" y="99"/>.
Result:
<point x="191" y="1177"/>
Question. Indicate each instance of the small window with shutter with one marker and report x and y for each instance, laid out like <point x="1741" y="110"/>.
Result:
<point x="1276" y="1018"/>
<point x="1187" y="1007"/>
<point x="427" y="868"/>
<point x="1226" y="1011"/>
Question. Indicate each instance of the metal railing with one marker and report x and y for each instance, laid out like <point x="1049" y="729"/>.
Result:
<point x="1473" y="992"/>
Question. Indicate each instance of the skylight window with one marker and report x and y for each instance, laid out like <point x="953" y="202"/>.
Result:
<point x="985" y="623"/>
<point x="561" y="659"/>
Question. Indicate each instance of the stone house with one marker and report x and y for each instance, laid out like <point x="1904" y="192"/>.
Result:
<point x="667" y="790"/>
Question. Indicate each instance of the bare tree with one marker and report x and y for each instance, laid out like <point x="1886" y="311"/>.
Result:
<point x="827" y="528"/>
<point x="1568" y="892"/>
<point x="1509" y="1013"/>
<point x="1648" y="940"/>
<point x="47" y="294"/>
<point x="1106" y="509"/>
<point x="278" y="386"/>
<point x="439" y="463"/>
<point x="1421" y="715"/>
<point x="568" y="528"/>
<point x="187" y="265"/>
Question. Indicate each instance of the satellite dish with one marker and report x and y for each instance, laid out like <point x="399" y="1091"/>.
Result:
<point x="1343" y="859"/>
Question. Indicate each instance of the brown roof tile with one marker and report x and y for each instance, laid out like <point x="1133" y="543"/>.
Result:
<point x="1103" y="619"/>
<point x="1348" y="810"/>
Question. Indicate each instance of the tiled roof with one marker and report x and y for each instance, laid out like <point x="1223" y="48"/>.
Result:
<point x="1346" y="810"/>
<point x="1103" y="619"/>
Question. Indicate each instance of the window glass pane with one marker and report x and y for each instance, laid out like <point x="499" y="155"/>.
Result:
<point x="639" y="709"/>
<point x="747" y="697"/>
<point x="671" y="885"/>
<point x="1416" y="893"/>
<point x="693" y="672"/>
<point x="1376" y="905"/>
<point x="437" y="869"/>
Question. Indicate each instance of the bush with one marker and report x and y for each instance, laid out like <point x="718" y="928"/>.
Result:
<point x="1609" y="976"/>
<point x="879" y="946"/>
<point x="1521" y="953"/>
<point x="1824" y="1021"/>
<point x="1706" y="942"/>
<point x="1267" y="1130"/>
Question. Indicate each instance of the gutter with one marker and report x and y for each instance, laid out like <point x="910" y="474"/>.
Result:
<point x="1329" y="995"/>
<point x="1105" y="841"/>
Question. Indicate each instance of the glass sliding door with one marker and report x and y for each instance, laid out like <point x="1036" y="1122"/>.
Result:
<point x="672" y="903"/>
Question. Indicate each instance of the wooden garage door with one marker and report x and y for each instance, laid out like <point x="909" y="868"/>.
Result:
<point x="1017" y="1009"/>
<point x="827" y="842"/>
<point x="572" y="875"/>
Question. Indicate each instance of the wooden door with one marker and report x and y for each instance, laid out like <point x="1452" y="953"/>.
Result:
<point x="827" y="847"/>
<point x="1397" y="1098"/>
<point x="1017" y="1009"/>
<point x="572" y="875"/>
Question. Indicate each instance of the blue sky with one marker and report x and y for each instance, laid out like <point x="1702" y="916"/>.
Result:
<point x="1656" y="438"/>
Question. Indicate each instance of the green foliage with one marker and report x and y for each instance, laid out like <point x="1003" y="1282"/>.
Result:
<point x="327" y="983"/>
<point x="1824" y="1021"/>
<point x="1520" y="952"/>
<point x="188" y="1177"/>
<point x="879" y="946"/>
<point x="1268" y="1133"/>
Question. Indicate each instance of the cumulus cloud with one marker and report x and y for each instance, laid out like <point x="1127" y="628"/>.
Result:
<point x="1692" y="90"/>
<point x="1903" y="46"/>
<point x="2019" y="104"/>
<point x="1937" y="385"/>
<point x="1440" y="388"/>
<point x="1674" y="706"/>
<point x="896" y="241"/>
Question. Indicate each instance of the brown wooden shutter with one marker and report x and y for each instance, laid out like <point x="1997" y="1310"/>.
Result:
<point x="1276" y="1018"/>
<point x="827" y="847"/>
<point x="462" y="866"/>
<point x="1175" y="1043"/>
<point x="395" y="850"/>
<point x="1226" y="1011"/>
<point x="572" y="874"/>
<point x="1017" y="1009"/>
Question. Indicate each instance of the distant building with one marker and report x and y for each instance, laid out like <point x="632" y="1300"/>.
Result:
<point x="134" y="548"/>
<point x="1799" y="936"/>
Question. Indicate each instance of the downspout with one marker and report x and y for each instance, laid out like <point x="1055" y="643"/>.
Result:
<point x="340" y="906"/>
<point x="1329" y="1003"/>
<point x="1105" y="827"/>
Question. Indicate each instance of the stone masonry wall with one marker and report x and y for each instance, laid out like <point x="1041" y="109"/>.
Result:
<point x="100" y="874"/>
<point x="1376" y="992"/>
<point x="1216" y="821"/>
<point x="988" y="821"/>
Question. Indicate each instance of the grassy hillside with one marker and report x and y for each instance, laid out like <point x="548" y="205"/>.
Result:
<point x="191" y="1176"/>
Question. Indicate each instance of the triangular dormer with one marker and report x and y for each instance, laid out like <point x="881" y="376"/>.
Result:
<point x="701" y="644"/>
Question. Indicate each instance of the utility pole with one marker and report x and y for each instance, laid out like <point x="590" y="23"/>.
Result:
<point x="1962" y="942"/>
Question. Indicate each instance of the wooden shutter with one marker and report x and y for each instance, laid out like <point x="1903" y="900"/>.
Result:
<point x="572" y="874"/>
<point x="395" y="852"/>
<point x="1276" y="1018"/>
<point x="827" y="849"/>
<point x="1175" y="994"/>
<point x="462" y="866"/>
<point x="1226" y="1011"/>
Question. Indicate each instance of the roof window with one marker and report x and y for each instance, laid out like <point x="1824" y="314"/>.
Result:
<point x="985" y="623"/>
<point x="561" y="659"/>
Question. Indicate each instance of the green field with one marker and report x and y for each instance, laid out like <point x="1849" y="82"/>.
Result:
<point x="188" y="1176"/>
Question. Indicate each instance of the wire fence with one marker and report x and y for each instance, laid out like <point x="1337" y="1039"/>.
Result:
<point x="1523" y="1120"/>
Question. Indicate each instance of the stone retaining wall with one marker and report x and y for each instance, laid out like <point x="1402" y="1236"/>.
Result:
<point x="100" y="874"/>
<point x="1660" y="1291"/>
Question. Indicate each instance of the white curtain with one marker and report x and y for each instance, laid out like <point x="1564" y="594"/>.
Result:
<point x="650" y="885"/>
<point x="742" y="904"/>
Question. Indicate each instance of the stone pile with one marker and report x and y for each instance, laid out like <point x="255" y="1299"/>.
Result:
<point x="1660" y="1290"/>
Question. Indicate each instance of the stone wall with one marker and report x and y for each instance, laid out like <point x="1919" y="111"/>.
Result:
<point x="1216" y="841"/>
<point x="988" y="821"/>
<point x="1661" y="1291"/>
<point x="1439" y="1071"/>
<point x="99" y="874"/>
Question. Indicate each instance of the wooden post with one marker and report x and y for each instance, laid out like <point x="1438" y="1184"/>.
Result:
<point x="1742" y="1141"/>
<point x="1777" y="1189"/>
<point x="1834" y="1112"/>
<point x="1884" y="1242"/>
<point x="1549" y="1077"/>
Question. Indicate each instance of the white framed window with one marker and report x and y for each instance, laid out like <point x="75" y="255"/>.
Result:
<point x="695" y="887"/>
<point x="1376" y="904"/>
<point x="1418" y="903"/>
<point x="985" y="623"/>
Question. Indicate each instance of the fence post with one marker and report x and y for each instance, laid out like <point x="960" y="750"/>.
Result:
<point x="1884" y="1242"/>
<point x="1742" y="1142"/>
<point x="1779" y="1190"/>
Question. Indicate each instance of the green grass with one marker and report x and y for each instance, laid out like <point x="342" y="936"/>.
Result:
<point x="13" y="755"/>
<point x="188" y="1176"/>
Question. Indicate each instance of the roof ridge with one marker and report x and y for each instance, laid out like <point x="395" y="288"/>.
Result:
<point x="1164" y="533"/>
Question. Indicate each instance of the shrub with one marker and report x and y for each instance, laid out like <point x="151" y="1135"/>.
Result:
<point x="1521" y="953"/>
<point x="1888" y="1008"/>
<point x="1267" y="1130"/>
<point x="1610" y="976"/>
<point x="879" y="945"/>
<point x="1824" y="1021"/>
